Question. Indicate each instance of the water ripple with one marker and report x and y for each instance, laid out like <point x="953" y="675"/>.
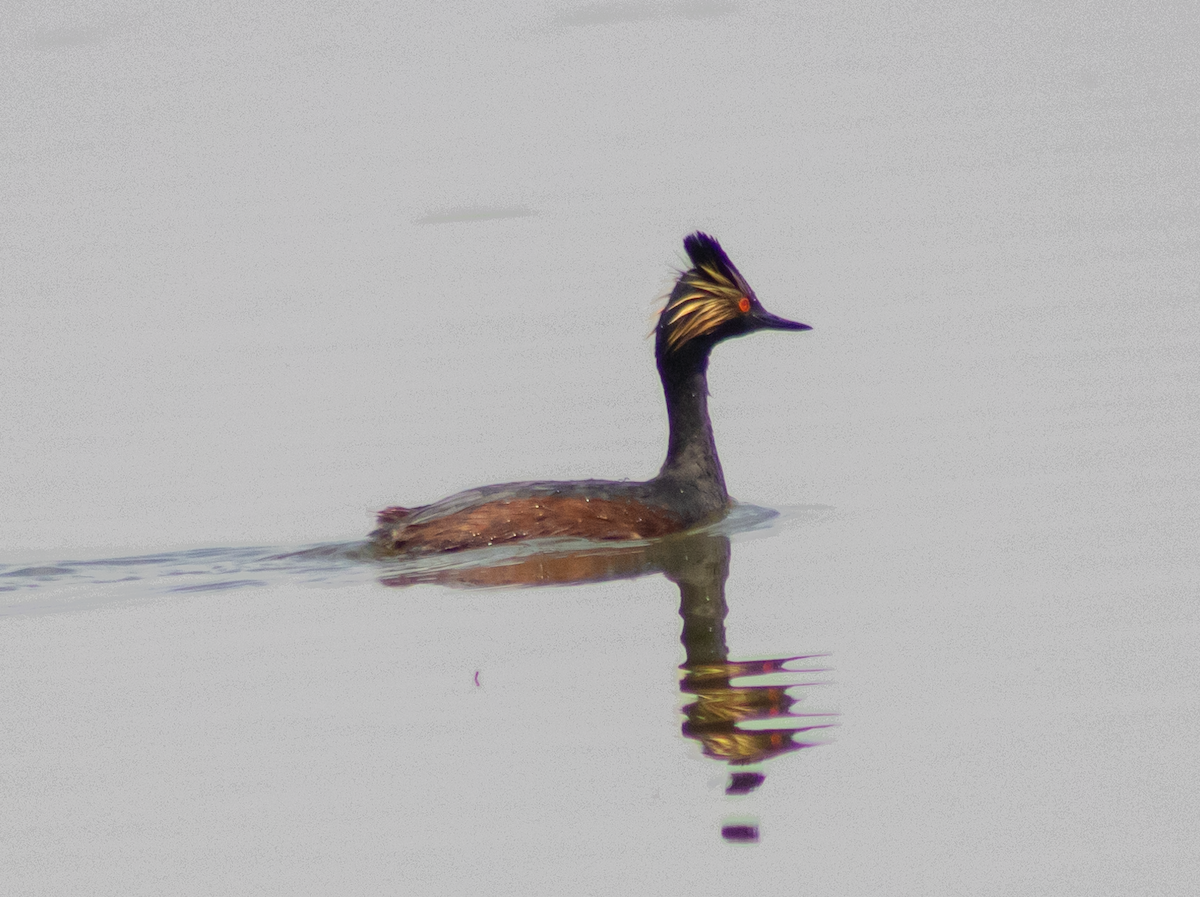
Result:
<point x="80" y="584"/>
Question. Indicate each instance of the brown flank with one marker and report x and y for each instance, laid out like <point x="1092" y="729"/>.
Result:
<point x="511" y="520"/>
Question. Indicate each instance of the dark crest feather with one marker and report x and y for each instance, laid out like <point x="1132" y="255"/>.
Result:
<point x="705" y="297"/>
<point x="706" y="252"/>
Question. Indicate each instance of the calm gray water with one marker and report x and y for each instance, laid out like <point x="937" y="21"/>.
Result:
<point x="265" y="271"/>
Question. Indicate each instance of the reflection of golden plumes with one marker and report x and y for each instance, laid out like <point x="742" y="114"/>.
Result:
<point x="730" y="705"/>
<point x="738" y="747"/>
<point x="714" y="718"/>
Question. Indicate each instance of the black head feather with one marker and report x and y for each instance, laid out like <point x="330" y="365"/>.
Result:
<point x="706" y="252"/>
<point x="709" y="299"/>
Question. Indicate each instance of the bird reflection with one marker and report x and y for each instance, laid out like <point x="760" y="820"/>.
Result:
<point x="743" y="711"/>
<point x="734" y="718"/>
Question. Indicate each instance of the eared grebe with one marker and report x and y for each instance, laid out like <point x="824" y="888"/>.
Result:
<point x="711" y="302"/>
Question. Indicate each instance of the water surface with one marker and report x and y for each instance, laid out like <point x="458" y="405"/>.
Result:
<point x="267" y="270"/>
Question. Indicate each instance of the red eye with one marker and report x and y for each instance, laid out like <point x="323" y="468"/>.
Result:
<point x="743" y="305"/>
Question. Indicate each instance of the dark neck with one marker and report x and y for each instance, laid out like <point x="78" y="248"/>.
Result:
<point x="691" y="451"/>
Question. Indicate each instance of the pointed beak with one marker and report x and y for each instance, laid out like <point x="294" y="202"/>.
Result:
<point x="764" y="320"/>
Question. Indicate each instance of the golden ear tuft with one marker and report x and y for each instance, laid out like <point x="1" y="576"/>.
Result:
<point x="707" y="296"/>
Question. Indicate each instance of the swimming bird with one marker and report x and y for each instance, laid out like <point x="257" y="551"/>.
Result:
<point x="711" y="301"/>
